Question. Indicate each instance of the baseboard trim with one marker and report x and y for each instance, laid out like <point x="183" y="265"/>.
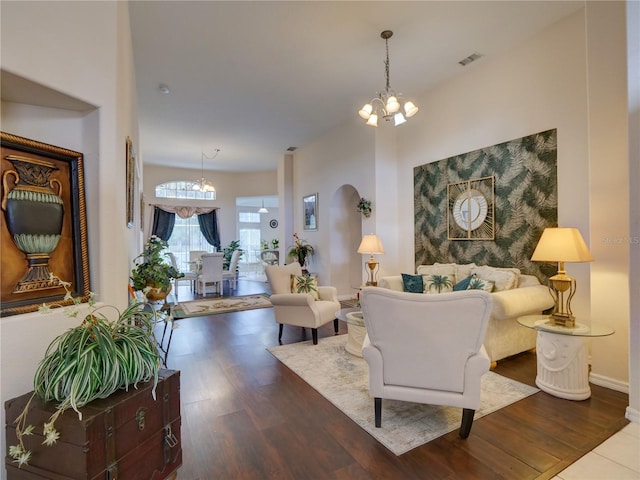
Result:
<point x="633" y="415"/>
<point x="608" y="382"/>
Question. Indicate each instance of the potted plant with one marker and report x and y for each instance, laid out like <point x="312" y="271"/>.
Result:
<point x="227" y="252"/>
<point x="90" y="361"/>
<point x="152" y="275"/>
<point x="364" y="207"/>
<point x="301" y="250"/>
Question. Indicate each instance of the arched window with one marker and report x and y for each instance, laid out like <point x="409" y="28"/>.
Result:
<point x="181" y="189"/>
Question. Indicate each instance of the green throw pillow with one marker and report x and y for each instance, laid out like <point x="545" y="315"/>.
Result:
<point x="464" y="283"/>
<point x="305" y="284"/>
<point x="479" y="284"/>
<point x="412" y="283"/>
<point x="438" y="283"/>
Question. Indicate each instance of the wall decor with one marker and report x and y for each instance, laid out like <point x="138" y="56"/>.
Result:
<point x="310" y="210"/>
<point x="130" y="180"/>
<point x="471" y="209"/>
<point x="525" y="202"/>
<point x="273" y="223"/>
<point x="43" y="228"/>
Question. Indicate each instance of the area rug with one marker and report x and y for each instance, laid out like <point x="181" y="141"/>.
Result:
<point x="212" y="306"/>
<point x="343" y="379"/>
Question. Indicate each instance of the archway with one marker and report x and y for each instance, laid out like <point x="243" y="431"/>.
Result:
<point x="345" y="235"/>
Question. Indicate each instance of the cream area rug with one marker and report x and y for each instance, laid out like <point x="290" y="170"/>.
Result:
<point x="211" y="306"/>
<point x="343" y="379"/>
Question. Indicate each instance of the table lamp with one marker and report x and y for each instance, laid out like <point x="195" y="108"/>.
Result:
<point x="371" y="245"/>
<point x="562" y="244"/>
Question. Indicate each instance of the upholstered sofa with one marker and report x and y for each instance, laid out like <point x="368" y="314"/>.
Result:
<point x="514" y="294"/>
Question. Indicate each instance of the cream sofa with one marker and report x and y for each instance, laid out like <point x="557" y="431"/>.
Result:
<point x="514" y="294"/>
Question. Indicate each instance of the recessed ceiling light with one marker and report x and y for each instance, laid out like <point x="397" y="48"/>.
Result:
<point x="164" y="88"/>
<point x="291" y="149"/>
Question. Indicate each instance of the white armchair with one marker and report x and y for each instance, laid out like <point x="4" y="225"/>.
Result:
<point x="426" y="348"/>
<point x="300" y="309"/>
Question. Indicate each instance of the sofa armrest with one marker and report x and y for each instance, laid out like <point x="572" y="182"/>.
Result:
<point x="521" y="301"/>
<point x="392" y="282"/>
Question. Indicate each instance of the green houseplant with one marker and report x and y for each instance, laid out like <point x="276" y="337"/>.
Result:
<point x="90" y="361"/>
<point x="227" y="252"/>
<point x="301" y="250"/>
<point x="152" y="275"/>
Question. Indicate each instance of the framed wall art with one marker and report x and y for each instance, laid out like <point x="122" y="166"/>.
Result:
<point x="131" y="180"/>
<point x="470" y="212"/>
<point x="43" y="226"/>
<point x="310" y="209"/>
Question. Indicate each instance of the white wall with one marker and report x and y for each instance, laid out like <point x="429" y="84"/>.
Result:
<point x="536" y="86"/>
<point x="81" y="49"/>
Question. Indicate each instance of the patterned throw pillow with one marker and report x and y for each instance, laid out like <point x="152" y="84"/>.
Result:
<point x="479" y="284"/>
<point x="412" y="283"/>
<point x="464" y="283"/>
<point x="305" y="284"/>
<point x="438" y="283"/>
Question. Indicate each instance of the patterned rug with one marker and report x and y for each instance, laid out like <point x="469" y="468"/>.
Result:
<point x="343" y="379"/>
<point x="212" y="306"/>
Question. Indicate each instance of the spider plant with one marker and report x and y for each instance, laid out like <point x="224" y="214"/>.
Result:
<point x="91" y="361"/>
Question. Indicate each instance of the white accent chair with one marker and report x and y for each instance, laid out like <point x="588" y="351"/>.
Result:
<point x="190" y="277"/>
<point x="426" y="348"/>
<point x="211" y="275"/>
<point x="300" y="309"/>
<point x="231" y="275"/>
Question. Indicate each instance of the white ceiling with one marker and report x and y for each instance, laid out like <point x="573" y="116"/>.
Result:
<point x="253" y="78"/>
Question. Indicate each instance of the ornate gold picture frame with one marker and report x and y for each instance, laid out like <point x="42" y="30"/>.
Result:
<point x="43" y="226"/>
<point x="471" y="209"/>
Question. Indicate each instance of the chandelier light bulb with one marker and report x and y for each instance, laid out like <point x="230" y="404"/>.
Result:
<point x="399" y="119"/>
<point x="365" y="112"/>
<point x="392" y="105"/>
<point x="373" y="120"/>
<point x="410" y="109"/>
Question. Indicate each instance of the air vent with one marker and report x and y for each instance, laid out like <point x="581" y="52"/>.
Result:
<point x="291" y="149"/>
<point x="471" y="58"/>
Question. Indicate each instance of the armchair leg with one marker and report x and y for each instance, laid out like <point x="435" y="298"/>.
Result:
<point x="314" y="335"/>
<point x="335" y="325"/>
<point x="467" y="422"/>
<point x="377" y="406"/>
<point x="280" y="328"/>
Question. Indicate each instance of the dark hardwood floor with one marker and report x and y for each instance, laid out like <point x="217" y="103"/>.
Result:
<point x="247" y="416"/>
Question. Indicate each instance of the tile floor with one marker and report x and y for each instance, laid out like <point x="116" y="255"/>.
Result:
<point x="618" y="458"/>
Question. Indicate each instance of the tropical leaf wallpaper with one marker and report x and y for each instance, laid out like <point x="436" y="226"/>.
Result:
<point x="526" y="202"/>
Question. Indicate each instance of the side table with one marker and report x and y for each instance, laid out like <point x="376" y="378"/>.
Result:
<point x="562" y="357"/>
<point x="356" y="330"/>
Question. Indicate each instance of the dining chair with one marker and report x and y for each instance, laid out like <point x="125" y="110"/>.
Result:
<point x="211" y="274"/>
<point x="231" y="275"/>
<point x="190" y="276"/>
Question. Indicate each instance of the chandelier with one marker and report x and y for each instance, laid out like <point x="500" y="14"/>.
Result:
<point x="388" y="104"/>
<point x="202" y="185"/>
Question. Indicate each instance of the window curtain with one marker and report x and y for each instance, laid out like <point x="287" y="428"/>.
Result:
<point x="163" y="223"/>
<point x="209" y="227"/>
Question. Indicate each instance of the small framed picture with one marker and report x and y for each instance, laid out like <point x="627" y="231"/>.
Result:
<point x="310" y="209"/>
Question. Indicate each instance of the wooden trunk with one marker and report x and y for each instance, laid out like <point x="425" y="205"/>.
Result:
<point x="128" y="436"/>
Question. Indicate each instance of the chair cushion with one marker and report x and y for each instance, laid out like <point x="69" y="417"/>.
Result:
<point x="412" y="283"/>
<point x="305" y="284"/>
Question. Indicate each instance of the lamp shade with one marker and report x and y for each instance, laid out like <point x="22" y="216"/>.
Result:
<point x="561" y="244"/>
<point x="371" y="245"/>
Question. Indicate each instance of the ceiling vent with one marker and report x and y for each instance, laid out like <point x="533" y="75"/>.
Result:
<point x="291" y="149"/>
<point x="471" y="58"/>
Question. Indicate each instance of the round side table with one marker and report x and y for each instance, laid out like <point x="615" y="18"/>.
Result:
<point x="562" y="357"/>
<point x="356" y="331"/>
